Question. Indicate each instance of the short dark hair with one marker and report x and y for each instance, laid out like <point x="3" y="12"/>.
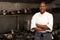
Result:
<point x="43" y="2"/>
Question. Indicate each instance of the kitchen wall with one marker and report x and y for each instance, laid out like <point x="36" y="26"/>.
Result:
<point x="16" y="6"/>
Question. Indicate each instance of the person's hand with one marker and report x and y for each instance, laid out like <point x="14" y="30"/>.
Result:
<point x="38" y="25"/>
<point x="38" y="29"/>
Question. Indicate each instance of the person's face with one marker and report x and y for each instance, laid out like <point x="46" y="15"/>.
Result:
<point x="43" y="7"/>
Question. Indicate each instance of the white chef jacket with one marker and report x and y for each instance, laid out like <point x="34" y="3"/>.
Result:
<point x="42" y="19"/>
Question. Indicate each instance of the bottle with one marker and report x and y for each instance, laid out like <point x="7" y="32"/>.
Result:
<point x="12" y="31"/>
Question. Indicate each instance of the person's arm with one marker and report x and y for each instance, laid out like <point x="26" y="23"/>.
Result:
<point x="43" y="27"/>
<point x="33" y="24"/>
<point x="48" y="26"/>
<point x="50" y="20"/>
<point x="37" y="29"/>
